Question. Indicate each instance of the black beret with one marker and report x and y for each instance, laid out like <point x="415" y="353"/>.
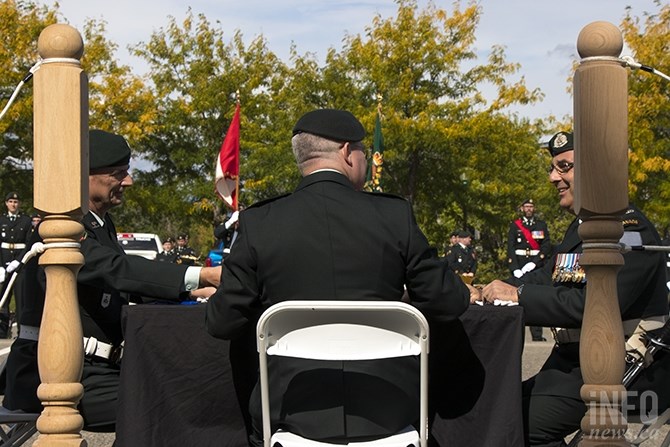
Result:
<point x="12" y="195"/>
<point x="170" y="240"/>
<point x="464" y="233"/>
<point x="107" y="150"/>
<point x="182" y="236"/>
<point x="337" y="125"/>
<point x="527" y="202"/>
<point x="561" y="142"/>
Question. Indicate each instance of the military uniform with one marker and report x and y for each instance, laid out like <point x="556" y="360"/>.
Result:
<point x="462" y="259"/>
<point x="554" y="296"/>
<point x="327" y="241"/>
<point x="14" y="233"/>
<point x="520" y="251"/>
<point x="108" y="280"/>
<point x="185" y="254"/>
<point x="528" y="241"/>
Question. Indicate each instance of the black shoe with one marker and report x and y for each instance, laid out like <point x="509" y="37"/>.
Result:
<point x="539" y="339"/>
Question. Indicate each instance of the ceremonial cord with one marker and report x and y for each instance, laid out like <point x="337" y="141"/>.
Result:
<point x="37" y="248"/>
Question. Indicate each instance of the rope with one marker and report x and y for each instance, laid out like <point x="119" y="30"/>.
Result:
<point x="36" y="249"/>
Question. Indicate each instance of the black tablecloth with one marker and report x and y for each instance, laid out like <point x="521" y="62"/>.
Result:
<point x="177" y="386"/>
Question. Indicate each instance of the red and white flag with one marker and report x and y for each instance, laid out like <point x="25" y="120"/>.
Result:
<point x="228" y="164"/>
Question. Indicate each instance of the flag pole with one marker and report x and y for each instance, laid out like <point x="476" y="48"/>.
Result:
<point x="237" y="180"/>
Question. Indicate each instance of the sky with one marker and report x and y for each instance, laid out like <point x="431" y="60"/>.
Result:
<point x="540" y="35"/>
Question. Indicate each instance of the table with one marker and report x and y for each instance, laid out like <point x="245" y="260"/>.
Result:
<point x="177" y="384"/>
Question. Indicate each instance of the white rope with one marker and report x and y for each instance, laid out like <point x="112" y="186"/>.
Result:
<point x="32" y="71"/>
<point x="36" y="249"/>
<point x="628" y="61"/>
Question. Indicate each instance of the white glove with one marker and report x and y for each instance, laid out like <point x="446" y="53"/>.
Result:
<point x="233" y="220"/>
<point x="13" y="266"/>
<point x="517" y="273"/>
<point x="528" y="267"/>
<point x="2" y="275"/>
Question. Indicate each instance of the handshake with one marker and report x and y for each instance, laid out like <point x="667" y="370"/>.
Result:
<point x="518" y="273"/>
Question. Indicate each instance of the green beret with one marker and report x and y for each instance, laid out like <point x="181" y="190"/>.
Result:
<point x="12" y="195"/>
<point x="561" y="142"/>
<point x="337" y="125"/>
<point x="107" y="150"/>
<point x="464" y="233"/>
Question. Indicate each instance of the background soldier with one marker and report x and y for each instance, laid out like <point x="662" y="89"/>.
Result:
<point x="15" y="227"/>
<point x="462" y="258"/>
<point x="185" y="254"/>
<point x="528" y="246"/>
<point x="168" y="254"/>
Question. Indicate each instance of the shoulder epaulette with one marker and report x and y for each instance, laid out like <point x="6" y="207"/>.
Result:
<point x="270" y="200"/>
<point x="383" y="194"/>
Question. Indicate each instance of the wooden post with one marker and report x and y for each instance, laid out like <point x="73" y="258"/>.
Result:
<point x="61" y="194"/>
<point x="601" y="198"/>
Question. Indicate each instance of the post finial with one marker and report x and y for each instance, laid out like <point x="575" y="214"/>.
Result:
<point x="60" y="41"/>
<point x="599" y="39"/>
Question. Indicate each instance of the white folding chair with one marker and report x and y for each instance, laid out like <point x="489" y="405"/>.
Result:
<point x="343" y="330"/>
<point x="16" y="427"/>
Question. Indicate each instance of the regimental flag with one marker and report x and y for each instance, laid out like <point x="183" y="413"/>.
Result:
<point x="227" y="179"/>
<point x="377" y="161"/>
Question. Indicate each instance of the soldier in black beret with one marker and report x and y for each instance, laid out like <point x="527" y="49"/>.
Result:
<point x="185" y="254"/>
<point x="329" y="240"/>
<point x="462" y="257"/>
<point x="107" y="281"/>
<point x="554" y="296"/>
<point x="15" y="228"/>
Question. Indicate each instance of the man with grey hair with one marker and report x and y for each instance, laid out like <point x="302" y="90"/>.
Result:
<point x="329" y="241"/>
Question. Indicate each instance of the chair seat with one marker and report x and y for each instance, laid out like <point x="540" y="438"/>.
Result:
<point x="406" y="438"/>
<point x="16" y="427"/>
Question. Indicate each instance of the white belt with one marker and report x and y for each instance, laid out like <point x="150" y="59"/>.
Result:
<point x="95" y="348"/>
<point x="526" y="252"/>
<point x="29" y="332"/>
<point x="630" y="327"/>
<point x="11" y="246"/>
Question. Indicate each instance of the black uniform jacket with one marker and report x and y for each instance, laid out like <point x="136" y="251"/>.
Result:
<point x="107" y="270"/>
<point x="14" y="232"/>
<point x="517" y="241"/>
<point x="462" y="259"/>
<point x="556" y="299"/>
<point x="327" y="241"/>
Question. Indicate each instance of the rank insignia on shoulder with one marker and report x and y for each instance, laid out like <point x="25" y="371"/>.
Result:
<point x="630" y="222"/>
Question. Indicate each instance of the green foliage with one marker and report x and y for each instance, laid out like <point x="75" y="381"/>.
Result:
<point x="463" y="160"/>
<point x="649" y="115"/>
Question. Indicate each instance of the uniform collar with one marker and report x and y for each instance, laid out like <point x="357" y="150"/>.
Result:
<point x="324" y="176"/>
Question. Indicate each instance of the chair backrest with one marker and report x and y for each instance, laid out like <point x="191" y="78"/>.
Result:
<point x="342" y="330"/>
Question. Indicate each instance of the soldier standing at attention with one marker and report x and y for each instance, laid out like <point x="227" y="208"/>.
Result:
<point x="528" y="246"/>
<point x="462" y="258"/>
<point x="15" y="227"/>
<point x="185" y="254"/>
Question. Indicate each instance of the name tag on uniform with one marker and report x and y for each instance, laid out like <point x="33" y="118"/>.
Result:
<point x="106" y="299"/>
<point x="538" y="234"/>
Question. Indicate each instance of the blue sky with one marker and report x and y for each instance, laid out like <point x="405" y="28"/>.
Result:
<point x="538" y="34"/>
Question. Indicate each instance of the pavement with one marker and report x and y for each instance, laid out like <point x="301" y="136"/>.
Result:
<point x="534" y="355"/>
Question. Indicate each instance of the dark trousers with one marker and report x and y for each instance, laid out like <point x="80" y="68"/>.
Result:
<point x="536" y="332"/>
<point x="101" y="389"/>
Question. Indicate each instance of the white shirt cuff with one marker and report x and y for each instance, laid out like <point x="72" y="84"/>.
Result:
<point x="192" y="278"/>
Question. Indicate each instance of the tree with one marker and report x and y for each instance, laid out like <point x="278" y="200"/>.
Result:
<point x="649" y="115"/>
<point x="463" y="162"/>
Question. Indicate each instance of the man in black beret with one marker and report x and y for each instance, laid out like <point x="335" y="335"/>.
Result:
<point x="107" y="281"/>
<point x="185" y="254"/>
<point x="15" y="229"/>
<point x="554" y="296"/>
<point x="330" y="241"/>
